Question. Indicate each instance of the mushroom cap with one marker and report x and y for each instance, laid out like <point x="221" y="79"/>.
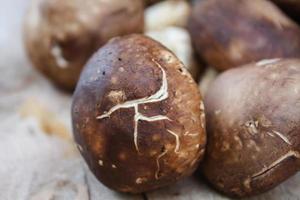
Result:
<point x="138" y="116"/>
<point x="60" y="36"/>
<point x="253" y="125"/>
<point x="230" y="33"/>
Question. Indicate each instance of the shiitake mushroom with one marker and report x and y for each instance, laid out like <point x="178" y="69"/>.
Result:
<point x="138" y="117"/>
<point x="60" y="36"/>
<point x="230" y="33"/>
<point x="253" y="126"/>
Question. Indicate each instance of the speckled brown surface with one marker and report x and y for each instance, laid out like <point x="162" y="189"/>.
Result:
<point x="158" y="96"/>
<point x="229" y="33"/>
<point x="253" y="126"/>
<point x="61" y="35"/>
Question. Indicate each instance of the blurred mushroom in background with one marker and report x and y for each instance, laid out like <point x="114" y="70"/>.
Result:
<point x="60" y="36"/>
<point x="230" y="33"/>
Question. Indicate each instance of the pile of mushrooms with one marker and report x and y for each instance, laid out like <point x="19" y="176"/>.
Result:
<point x="136" y="67"/>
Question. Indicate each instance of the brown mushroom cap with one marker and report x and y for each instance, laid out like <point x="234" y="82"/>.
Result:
<point x="230" y="33"/>
<point x="253" y="126"/>
<point x="138" y="117"/>
<point x="61" y="35"/>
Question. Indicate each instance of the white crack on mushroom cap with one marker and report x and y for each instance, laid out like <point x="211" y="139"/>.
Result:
<point x="176" y="150"/>
<point x="277" y="162"/>
<point x="160" y="95"/>
<point x="291" y="153"/>
<point x="158" y="164"/>
<point x="284" y="138"/>
<point x="252" y="127"/>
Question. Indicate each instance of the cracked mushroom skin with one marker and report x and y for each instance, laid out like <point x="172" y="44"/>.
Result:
<point x="253" y="126"/>
<point x="230" y="33"/>
<point x="138" y="117"/>
<point x="60" y="36"/>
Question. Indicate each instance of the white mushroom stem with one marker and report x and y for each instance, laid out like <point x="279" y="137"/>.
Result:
<point x="167" y="13"/>
<point x="160" y="95"/>
<point x="289" y="154"/>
